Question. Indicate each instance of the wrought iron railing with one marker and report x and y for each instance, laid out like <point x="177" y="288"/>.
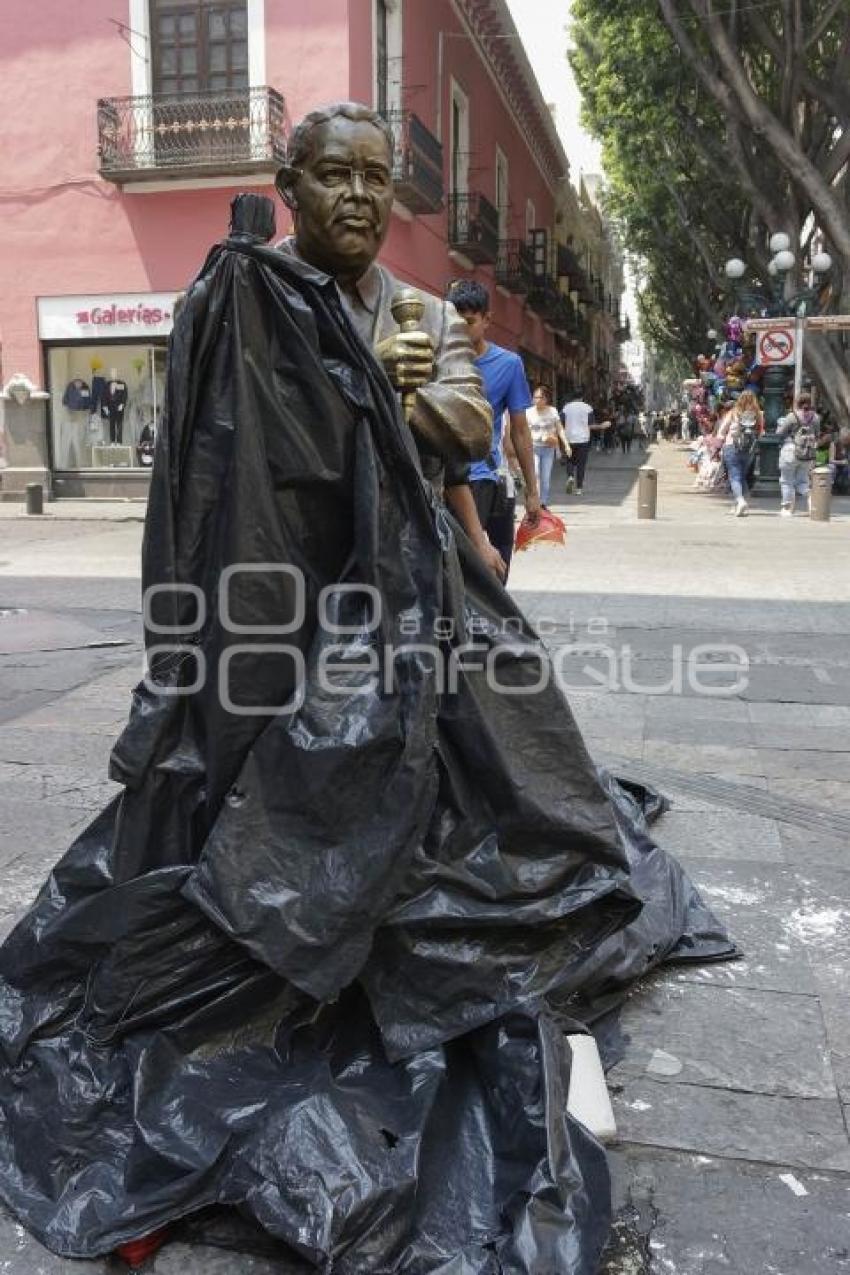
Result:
<point x="474" y="227"/>
<point x="417" y="163"/>
<point x="514" y="266"/>
<point x="544" y="297"/>
<point x="566" y="262"/>
<point x="190" y="134"/>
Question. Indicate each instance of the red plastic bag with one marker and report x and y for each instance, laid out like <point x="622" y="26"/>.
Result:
<point x="135" y="1252"/>
<point x="549" y="529"/>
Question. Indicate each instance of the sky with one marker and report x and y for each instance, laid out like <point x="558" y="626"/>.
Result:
<point x="544" y="27"/>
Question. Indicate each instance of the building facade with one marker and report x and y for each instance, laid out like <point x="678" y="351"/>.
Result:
<point x="130" y="125"/>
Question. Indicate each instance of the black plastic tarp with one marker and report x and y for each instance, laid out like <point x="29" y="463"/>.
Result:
<point x="312" y="966"/>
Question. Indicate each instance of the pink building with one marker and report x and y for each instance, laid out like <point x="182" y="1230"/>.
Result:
<point x="129" y="125"/>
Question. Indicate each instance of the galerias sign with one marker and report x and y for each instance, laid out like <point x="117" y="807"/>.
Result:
<point x="124" y="314"/>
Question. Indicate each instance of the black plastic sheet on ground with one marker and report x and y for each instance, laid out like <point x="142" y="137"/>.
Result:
<point x="312" y="969"/>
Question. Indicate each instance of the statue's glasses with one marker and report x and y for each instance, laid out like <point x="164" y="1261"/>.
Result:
<point x="374" y="177"/>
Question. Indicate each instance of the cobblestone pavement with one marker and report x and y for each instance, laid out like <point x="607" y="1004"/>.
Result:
<point x="732" y="1092"/>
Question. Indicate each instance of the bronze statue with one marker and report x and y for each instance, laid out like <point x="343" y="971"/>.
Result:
<point x="301" y="985"/>
<point x="338" y="185"/>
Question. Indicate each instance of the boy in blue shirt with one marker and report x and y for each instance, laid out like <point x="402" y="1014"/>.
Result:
<point x="479" y="492"/>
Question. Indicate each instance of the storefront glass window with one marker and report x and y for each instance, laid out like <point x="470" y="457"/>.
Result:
<point x="106" y="404"/>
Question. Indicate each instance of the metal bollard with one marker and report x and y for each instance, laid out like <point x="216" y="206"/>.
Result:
<point x="820" y="497"/>
<point x="647" y="491"/>
<point x="35" y="498"/>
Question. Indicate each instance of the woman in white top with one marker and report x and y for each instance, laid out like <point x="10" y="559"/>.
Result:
<point x="546" y="434"/>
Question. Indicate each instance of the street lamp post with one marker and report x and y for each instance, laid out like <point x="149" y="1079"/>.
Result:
<point x="779" y="305"/>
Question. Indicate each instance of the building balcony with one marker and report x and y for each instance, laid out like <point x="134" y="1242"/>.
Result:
<point x="544" y="298"/>
<point x="180" y="135"/>
<point x="474" y="228"/>
<point x="567" y="263"/>
<point x="623" y="332"/>
<point x="417" y="164"/>
<point x="515" y="266"/>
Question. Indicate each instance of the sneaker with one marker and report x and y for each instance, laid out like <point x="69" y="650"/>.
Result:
<point x="571" y="482"/>
<point x="741" y="509"/>
<point x="786" y="512"/>
<point x="579" y="491"/>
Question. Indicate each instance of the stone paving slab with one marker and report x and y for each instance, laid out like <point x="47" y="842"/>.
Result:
<point x="827" y="717"/>
<point x="75" y="786"/>
<point x="804" y="1132"/>
<point x="821" y="793"/>
<point x="790" y="763"/>
<point x="808" y="847"/>
<point x="805" y="738"/>
<point x="726" y="1037"/>
<point x="672" y="710"/>
<point x="835" y="1008"/>
<point x="755" y="901"/>
<point x="88" y="751"/>
<point x="720" y="834"/>
<point x="701" y="732"/>
<point x="684" y="1214"/>
<point x="28" y="827"/>
<point x="712" y="759"/>
<point x="90" y="715"/>
<point x="22" y="879"/>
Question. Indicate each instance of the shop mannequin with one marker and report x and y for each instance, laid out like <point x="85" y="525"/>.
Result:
<point x="113" y="404"/>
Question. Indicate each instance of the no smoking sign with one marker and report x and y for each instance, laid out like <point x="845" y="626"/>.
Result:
<point x="776" y="347"/>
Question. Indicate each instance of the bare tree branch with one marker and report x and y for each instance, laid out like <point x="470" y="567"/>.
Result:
<point x="736" y="85"/>
<point x="818" y="89"/>
<point x="838" y="157"/>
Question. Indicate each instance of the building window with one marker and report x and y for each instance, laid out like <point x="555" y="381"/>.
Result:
<point x="199" y="45"/>
<point x="502" y="198"/>
<point x="382" y="55"/>
<point x="387" y="30"/>
<point x="530" y="219"/>
<point x="460" y="141"/>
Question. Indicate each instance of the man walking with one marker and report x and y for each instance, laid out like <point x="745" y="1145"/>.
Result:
<point x="578" y="418"/>
<point x="481" y="486"/>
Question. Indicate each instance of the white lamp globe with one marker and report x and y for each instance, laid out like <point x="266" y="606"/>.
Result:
<point x="711" y="334"/>
<point x="773" y="268"/>
<point x="821" y="263"/>
<point x="784" y="260"/>
<point x="780" y="242"/>
<point x="735" y="268"/>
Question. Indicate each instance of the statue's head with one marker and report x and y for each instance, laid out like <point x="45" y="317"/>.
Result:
<point x="338" y="183"/>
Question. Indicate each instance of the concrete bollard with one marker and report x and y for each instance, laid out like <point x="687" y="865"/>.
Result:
<point x="35" y="498"/>
<point x="820" y="497"/>
<point x="647" y="491"/>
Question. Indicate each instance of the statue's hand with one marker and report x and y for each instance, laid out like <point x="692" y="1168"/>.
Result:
<point x="408" y="359"/>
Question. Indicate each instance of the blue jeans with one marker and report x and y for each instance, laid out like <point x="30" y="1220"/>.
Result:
<point x="794" y="480"/>
<point x="737" y="463"/>
<point x="544" y="459"/>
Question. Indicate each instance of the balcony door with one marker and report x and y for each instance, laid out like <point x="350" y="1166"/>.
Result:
<point x="199" y="46"/>
<point x="201" y="108"/>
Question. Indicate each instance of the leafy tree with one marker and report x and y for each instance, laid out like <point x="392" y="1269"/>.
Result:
<point x="721" y="124"/>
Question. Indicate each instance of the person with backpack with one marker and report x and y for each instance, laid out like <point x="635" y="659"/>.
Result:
<point x="800" y="430"/>
<point x="739" y="433"/>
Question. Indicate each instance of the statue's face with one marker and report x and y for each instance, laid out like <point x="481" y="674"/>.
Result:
<point x="344" y="197"/>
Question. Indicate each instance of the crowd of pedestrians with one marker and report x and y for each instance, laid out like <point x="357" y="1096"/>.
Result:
<point x="726" y="453"/>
